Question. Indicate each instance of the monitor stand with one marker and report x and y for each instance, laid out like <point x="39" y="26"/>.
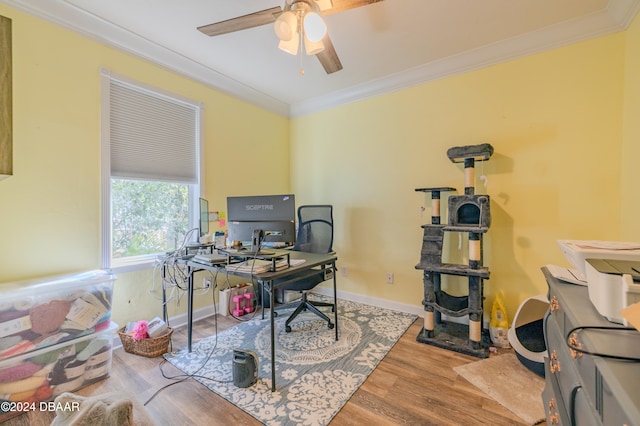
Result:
<point x="257" y="238"/>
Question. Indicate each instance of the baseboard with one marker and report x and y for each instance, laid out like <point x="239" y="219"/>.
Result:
<point x="373" y="301"/>
<point x="387" y="304"/>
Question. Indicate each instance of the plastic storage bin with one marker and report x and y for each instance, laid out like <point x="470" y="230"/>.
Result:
<point x="41" y="375"/>
<point x="39" y="313"/>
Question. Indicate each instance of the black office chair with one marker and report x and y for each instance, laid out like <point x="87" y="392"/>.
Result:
<point x="315" y="235"/>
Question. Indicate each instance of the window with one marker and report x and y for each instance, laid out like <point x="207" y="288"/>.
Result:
<point x="151" y="172"/>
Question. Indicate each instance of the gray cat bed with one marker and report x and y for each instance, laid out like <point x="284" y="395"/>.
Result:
<point x="526" y="334"/>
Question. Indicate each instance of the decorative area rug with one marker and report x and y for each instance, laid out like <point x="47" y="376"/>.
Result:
<point x="510" y="383"/>
<point x="316" y="375"/>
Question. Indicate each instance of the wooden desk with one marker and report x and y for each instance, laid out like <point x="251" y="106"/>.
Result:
<point x="311" y="265"/>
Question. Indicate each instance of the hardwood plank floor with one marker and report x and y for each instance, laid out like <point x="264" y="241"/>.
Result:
<point x="414" y="385"/>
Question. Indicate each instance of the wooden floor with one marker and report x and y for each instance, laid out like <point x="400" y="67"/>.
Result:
<point x="414" y="385"/>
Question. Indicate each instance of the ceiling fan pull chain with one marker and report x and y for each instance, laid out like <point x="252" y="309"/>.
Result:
<point x="301" y="35"/>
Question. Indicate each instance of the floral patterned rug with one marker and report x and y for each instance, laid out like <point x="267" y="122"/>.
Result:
<point x="316" y="375"/>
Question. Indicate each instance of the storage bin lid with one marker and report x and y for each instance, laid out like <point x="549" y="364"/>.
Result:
<point x="58" y="283"/>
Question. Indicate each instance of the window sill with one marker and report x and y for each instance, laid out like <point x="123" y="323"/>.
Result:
<point x="132" y="264"/>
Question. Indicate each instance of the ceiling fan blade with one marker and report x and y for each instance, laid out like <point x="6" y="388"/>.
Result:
<point x="267" y="16"/>
<point x="328" y="57"/>
<point x="341" y="5"/>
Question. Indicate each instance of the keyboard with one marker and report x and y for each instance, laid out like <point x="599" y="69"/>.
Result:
<point x="257" y="266"/>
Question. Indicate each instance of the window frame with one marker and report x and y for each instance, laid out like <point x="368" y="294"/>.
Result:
<point x="196" y="190"/>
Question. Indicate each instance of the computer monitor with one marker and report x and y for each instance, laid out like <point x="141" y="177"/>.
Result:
<point x="204" y="217"/>
<point x="274" y="215"/>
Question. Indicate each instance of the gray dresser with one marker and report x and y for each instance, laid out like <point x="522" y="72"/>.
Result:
<point x="582" y="389"/>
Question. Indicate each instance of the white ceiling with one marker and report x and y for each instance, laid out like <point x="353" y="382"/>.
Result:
<point x="383" y="47"/>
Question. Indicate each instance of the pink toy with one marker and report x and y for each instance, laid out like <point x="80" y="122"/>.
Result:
<point x="141" y="330"/>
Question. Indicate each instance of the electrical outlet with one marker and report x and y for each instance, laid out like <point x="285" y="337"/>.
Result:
<point x="206" y="282"/>
<point x="344" y="271"/>
<point x="389" y="277"/>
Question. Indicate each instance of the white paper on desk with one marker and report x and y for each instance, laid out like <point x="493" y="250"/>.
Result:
<point x="565" y="274"/>
<point x="606" y="245"/>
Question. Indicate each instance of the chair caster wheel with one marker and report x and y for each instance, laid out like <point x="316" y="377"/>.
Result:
<point x="287" y="329"/>
<point x="330" y="326"/>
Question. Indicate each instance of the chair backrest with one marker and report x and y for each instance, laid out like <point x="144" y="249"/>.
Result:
<point x="315" y="229"/>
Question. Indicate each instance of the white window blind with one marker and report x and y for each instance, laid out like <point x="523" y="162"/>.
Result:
<point x="152" y="137"/>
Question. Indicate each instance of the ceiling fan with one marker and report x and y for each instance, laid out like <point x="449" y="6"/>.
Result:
<point x="296" y="25"/>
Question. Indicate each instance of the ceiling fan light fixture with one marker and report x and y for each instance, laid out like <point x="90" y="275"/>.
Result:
<point x="286" y="26"/>
<point x="313" y="47"/>
<point x="290" y="46"/>
<point x="314" y="27"/>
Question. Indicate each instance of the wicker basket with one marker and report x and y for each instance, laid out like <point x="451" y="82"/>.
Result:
<point x="150" y="348"/>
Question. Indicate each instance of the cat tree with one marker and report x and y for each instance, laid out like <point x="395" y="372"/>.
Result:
<point x="469" y="214"/>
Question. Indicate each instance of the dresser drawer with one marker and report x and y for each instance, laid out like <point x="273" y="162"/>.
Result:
<point x="556" y="307"/>
<point x="562" y="371"/>
<point x="593" y="389"/>
<point x="560" y="364"/>
<point x="596" y="375"/>
<point x="584" y="363"/>
<point x="614" y="410"/>
<point x="582" y="412"/>
<point x="554" y="407"/>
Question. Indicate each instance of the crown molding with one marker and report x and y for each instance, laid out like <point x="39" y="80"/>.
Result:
<point x="71" y="18"/>
<point x="616" y="17"/>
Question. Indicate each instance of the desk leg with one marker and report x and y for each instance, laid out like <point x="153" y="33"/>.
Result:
<point x="273" y="339"/>
<point x="163" y="276"/>
<point x="189" y="306"/>
<point x="335" y="297"/>
<point x="261" y="286"/>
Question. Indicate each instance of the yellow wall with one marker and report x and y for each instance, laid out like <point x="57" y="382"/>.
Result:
<point x="630" y="205"/>
<point x="562" y="124"/>
<point x="50" y="214"/>
<point x="555" y="122"/>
